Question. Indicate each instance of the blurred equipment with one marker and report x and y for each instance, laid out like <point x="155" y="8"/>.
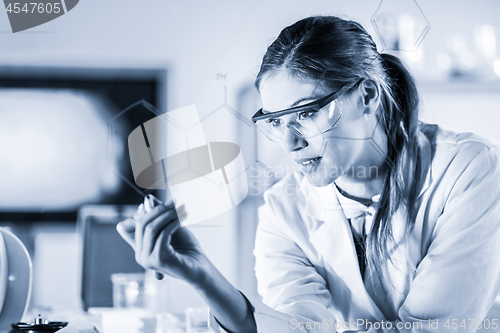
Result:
<point x="104" y="252"/>
<point x="131" y="320"/>
<point x="197" y="320"/>
<point x="15" y="279"/>
<point x="129" y="290"/>
<point x="168" y="323"/>
<point x="39" y="325"/>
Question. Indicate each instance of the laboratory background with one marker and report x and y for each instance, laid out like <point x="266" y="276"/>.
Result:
<point x="74" y="88"/>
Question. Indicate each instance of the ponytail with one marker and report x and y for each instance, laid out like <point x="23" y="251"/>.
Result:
<point x="400" y="122"/>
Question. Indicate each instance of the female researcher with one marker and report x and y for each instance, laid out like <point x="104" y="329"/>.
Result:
<point x="391" y="225"/>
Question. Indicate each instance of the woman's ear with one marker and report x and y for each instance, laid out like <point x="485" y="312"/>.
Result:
<point x="370" y="96"/>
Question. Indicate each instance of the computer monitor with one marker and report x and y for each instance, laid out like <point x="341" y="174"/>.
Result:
<point x="104" y="252"/>
<point x="63" y="137"/>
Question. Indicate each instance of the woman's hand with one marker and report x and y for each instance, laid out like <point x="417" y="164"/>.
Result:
<point x="161" y="244"/>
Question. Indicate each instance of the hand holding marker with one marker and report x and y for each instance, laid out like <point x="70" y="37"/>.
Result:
<point x="151" y="201"/>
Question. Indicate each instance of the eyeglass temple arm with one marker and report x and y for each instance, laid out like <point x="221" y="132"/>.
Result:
<point x="331" y="97"/>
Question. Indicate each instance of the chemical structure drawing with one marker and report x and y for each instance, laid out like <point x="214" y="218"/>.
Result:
<point x="400" y="25"/>
<point x="179" y="131"/>
<point x="169" y="151"/>
<point x="223" y="124"/>
<point x="226" y="123"/>
<point x="116" y="145"/>
<point x="193" y="169"/>
<point x="141" y="113"/>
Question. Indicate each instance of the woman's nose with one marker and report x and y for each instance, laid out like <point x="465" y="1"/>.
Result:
<point x="292" y="141"/>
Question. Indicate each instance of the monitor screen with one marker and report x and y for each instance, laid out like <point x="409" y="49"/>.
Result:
<point x="63" y="138"/>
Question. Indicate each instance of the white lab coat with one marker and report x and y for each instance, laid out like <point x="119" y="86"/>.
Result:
<point x="307" y="268"/>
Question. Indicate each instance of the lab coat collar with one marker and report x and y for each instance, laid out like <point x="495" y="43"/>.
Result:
<point x="425" y="162"/>
<point x="333" y="240"/>
<point x="319" y="200"/>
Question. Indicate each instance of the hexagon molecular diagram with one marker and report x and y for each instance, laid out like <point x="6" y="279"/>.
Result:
<point x="224" y="124"/>
<point x="234" y="125"/>
<point x="400" y="25"/>
<point x="119" y="129"/>
<point x="269" y="162"/>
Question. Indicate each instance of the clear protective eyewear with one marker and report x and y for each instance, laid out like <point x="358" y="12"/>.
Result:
<point x="309" y="120"/>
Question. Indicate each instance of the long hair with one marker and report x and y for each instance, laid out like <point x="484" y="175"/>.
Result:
<point x="332" y="51"/>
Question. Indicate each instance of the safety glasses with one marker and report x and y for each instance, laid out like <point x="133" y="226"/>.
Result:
<point x="306" y="120"/>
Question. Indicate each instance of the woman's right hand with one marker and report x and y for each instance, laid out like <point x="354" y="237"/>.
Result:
<point x="161" y="244"/>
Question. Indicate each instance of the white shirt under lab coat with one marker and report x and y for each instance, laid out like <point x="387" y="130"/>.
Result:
<point x="308" y="272"/>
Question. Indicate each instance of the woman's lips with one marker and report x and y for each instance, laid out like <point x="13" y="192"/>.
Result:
<point x="308" y="164"/>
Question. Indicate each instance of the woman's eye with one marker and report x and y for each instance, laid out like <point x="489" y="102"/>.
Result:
<point x="275" y="122"/>
<point x="305" y="114"/>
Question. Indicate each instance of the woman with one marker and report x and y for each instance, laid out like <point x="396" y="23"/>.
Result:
<point x="391" y="225"/>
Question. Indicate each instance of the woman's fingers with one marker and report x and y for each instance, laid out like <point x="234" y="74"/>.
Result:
<point x="162" y="244"/>
<point x="161" y="228"/>
<point x="153" y="229"/>
<point x="139" y="228"/>
<point x="140" y="211"/>
<point x="148" y="218"/>
<point x="147" y="223"/>
<point x="147" y="204"/>
<point x="143" y="221"/>
<point x="126" y="229"/>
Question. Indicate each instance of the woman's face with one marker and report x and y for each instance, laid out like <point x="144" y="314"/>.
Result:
<point x="352" y="149"/>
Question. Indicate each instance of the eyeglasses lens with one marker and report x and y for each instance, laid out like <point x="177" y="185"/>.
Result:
<point x="304" y="123"/>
